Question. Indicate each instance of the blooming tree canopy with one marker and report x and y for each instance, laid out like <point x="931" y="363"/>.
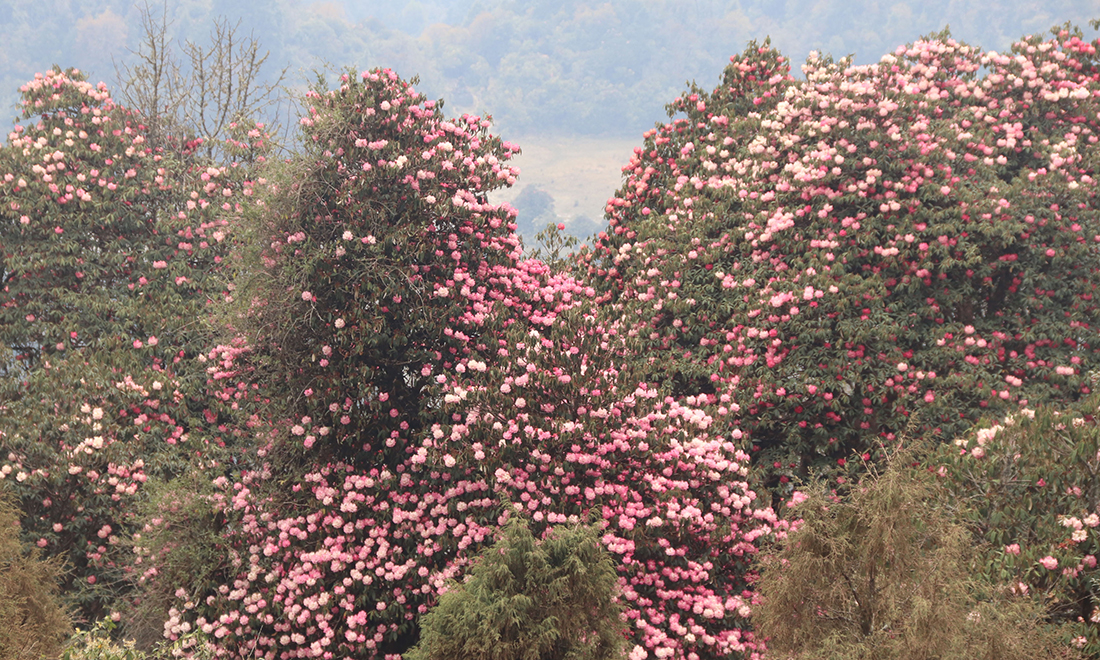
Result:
<point x="110" y="257"/>
<point x="435" y="387"/>
<point x="908" y="242"/>
<point x="793" y="269"/>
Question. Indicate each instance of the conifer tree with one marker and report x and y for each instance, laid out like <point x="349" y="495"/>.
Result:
<point x="528" y="599"/>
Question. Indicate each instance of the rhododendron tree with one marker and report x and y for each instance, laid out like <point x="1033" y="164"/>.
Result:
<point x="1029" y="482"/>
<point x="110" y="257"/>
<point x="907" y="242"/>
<point x="80" y="190"/>
<point x="107" y="242"/>
<point x="415" y="387"/>
<point x="387" y="201"/>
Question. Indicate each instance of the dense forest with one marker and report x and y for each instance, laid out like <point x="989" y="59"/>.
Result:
<point x="823" y="385"/>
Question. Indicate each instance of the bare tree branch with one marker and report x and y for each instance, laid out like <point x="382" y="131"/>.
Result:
<point x="214" y="86"/>
<point x="155" y="85"/>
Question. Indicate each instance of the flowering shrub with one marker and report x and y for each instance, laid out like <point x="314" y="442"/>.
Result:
<point x="79" y="447"/>
<point x="435" y="386"/>
<point x="843" y="252"/>
<point x="1030" y="484"/>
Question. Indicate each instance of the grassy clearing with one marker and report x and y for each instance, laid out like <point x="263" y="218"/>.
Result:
<point x="580" y="173"/>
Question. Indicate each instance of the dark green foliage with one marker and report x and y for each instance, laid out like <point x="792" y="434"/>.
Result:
<point x="529" y="600"/>
<point x="885" y="571"/>
<point x="32" y="622"/>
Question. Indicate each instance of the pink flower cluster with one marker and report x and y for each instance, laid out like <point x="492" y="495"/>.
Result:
<point x="369" y="549"/>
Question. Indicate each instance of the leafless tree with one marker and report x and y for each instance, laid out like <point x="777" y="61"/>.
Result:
<point x="203" y="89"/>
<point x="154" y="84"/>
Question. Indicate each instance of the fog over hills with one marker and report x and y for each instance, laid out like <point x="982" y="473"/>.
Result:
<point x="556" y="75"/>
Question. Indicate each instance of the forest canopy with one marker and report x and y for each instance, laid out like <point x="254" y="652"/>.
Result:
<point x="306" y="400"/>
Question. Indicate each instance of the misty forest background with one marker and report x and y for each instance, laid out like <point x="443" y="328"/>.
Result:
<point x="573" y="83"/>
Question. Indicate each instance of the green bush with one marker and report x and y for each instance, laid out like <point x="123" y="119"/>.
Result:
<point x="886" y="571"/>
<point x="96" y="644"/>
<point x="32" y="622"/>
<point x="177" y="553"/>
<point x="529" y="600"/>
<point x="1031" y="489"/>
